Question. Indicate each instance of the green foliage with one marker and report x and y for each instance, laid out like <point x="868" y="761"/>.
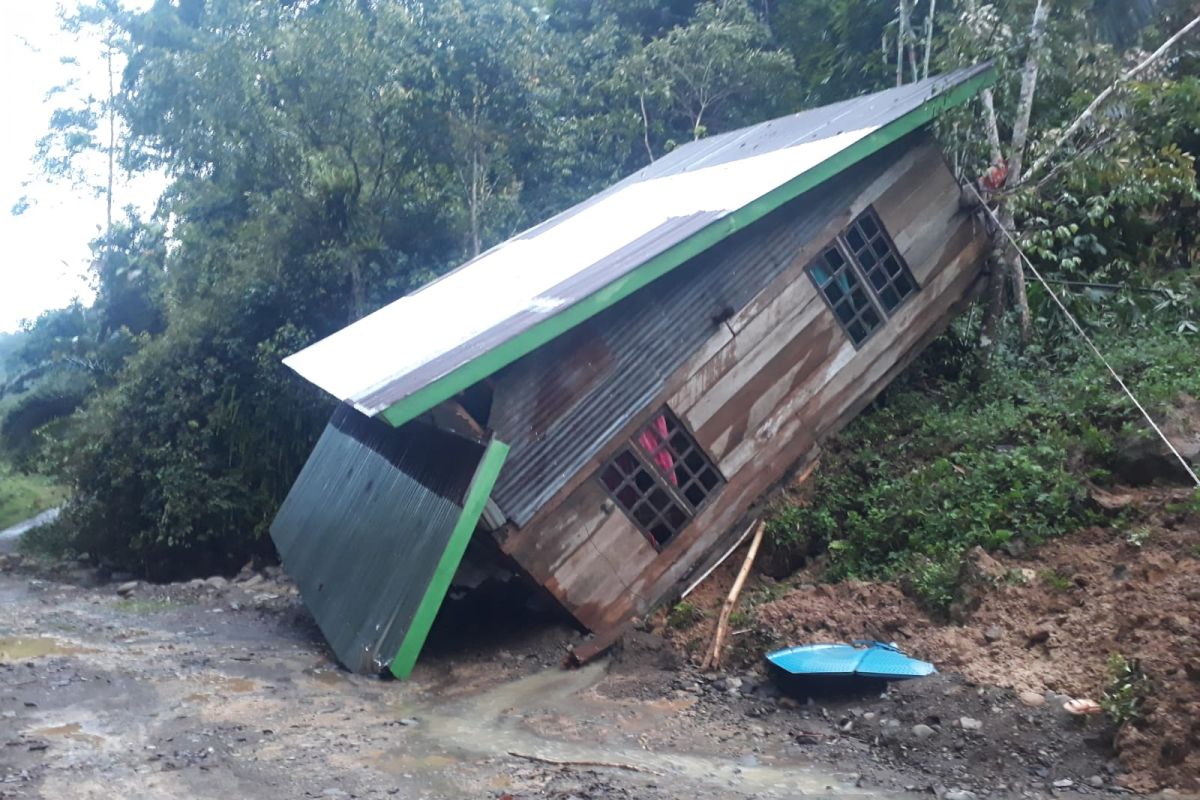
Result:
<point x="327" y="157"/>
<point x="993" y="455"/>
<point x="23" y="495"/>
<point x="1127" y="690"/>
<point x="684" y="615"/>
<point x="1055" y="580"/>
<point x="1137" y="537"/>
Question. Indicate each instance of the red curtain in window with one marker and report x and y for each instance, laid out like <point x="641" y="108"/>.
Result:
<point x="651" y="438"/>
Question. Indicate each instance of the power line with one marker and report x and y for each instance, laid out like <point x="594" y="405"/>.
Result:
<point x="1083" y="334"/>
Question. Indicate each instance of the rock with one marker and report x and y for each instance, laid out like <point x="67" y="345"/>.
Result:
<point x="252" y="581"/>
<point x="1096" y="782"/>
<point x="408" y="721"/>
<point x="334" y="793"/>
<point x="733" y="684"/>
<point x="216" y="582"/>
<point x="196" y="583"/>
<point x="127" y="588"/>
<point x="1144" y="459"/>
<point x="1015" y="547"/>
<point x="922" y="731"/>
<point x="1032" y="699"/>
<point x="978" y="573"/>
<point x="1037" y="635"/>
<point x="969" y="724"/>
<point x="993" y="634"/>
<point x="958" y="794"/>
<point x="1063" y="783"/>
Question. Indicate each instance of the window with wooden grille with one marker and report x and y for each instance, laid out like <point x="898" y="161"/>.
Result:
<point x="661" y="479"/>
<point x="862" y="277"/>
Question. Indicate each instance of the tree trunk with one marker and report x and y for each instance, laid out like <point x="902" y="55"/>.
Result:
<point x="929" y="35"/>
<point x="1029" y="77"/>
<point x="995" y="299"/>
<point x="112" y="141"/>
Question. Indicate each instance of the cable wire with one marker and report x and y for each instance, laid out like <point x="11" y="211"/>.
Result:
<point x="1079" y="329"/>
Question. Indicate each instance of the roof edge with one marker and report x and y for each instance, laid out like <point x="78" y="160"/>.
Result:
<point x="527" y="341"/>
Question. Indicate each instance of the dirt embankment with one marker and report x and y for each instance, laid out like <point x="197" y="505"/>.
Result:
<point x="1044" y="624"/>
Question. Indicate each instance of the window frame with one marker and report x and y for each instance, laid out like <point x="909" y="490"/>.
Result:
<point x="647" y="463"/>
<point x="841" y="243"/>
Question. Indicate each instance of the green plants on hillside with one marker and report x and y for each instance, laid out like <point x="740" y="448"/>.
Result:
<point x="1127" y="689"/>
<point x="995" y="457"/>
<point x="22" y="495"/>
<point x="684" y="615"/>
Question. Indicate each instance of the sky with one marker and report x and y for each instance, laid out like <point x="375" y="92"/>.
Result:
<point x="44" y="261"/>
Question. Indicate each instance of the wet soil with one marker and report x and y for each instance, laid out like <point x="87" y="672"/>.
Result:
<point x="225" y="689"/>
<point x="1040" y="624"/>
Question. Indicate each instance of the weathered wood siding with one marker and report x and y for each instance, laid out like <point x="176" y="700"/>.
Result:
<point x="763" y="390"/>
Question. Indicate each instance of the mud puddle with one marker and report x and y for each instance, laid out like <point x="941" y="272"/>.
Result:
<point x="519" y="719"/>
<point x="17" y="648"/>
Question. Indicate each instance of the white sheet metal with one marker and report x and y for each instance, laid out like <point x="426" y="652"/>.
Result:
<point x="516" y="277"/>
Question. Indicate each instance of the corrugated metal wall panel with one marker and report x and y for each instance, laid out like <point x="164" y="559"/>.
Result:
<point x="561" y="404"/>
<point x="364" y="526"/>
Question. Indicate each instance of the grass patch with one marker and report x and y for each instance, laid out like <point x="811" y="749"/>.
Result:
<point x="133" y="605"/>
<point x="684" y="615"/>
<point x="25" y="495"/>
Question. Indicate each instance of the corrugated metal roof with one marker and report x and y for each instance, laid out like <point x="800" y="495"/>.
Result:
<point x="365" y="526"/>
<point x="426" y="346"/>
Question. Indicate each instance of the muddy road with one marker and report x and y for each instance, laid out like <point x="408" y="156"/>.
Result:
<point x="219" y="689"/>
<point x="199" y="691"/>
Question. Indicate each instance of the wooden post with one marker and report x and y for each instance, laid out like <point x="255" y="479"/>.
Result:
<point x="713" y="661"/>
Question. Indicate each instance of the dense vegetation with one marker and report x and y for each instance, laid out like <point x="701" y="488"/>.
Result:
<point x="996" y="454"/>
<point x="326" y="156"/>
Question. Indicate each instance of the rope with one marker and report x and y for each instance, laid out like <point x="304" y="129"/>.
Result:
<point x="1079" y="329"/>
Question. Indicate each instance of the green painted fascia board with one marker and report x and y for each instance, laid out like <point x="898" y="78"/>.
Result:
<point x="532" y="338"/>
<point x="477" y="496"/>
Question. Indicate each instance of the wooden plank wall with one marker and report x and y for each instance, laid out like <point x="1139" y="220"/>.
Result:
<point x="760" y="396"/>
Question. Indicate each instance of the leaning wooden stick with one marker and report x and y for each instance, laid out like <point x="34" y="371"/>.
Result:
<point x="714" y="657"/>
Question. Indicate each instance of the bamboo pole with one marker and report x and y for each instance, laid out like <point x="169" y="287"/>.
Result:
<point x="713" y="661"/>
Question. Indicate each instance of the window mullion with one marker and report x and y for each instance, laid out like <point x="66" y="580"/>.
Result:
<point x="853" y="263"/>
<point x="661" y="480"/>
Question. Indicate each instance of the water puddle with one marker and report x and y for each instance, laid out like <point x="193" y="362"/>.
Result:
<point x="23" y="649"/>
<point x="72" y="731"/>
<point x="497" y="723"/>
<point x="225" y="683"/>
<point x="400" y="763"/>
<point x="329" y="677"/>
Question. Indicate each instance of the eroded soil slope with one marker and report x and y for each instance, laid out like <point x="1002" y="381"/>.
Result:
<point x="1045" y="623"/>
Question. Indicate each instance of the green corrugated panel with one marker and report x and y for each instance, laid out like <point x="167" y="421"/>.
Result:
<point x="375" y="521"/>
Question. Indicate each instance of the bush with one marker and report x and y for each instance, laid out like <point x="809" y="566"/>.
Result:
<point x="983" y="458"/>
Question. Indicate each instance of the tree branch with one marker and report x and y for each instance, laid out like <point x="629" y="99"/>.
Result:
<point x="1090" y="111"/>
<point x="1029" y="77"/>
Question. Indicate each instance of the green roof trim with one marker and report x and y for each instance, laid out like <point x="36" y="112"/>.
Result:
<point x="477" y="496"/>
<point x="526" y="342"/>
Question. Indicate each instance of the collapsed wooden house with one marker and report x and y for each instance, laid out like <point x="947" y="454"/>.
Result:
<point x="608" y="394"/>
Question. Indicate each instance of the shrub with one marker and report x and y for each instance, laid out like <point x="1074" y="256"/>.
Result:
<point x="987" y="457"/>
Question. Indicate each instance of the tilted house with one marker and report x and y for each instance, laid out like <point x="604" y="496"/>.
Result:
<point x="608" y="394"/>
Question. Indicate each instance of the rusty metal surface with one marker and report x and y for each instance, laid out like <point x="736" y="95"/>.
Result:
<point x="364" y="526"/>
<point x="558" y="406"/>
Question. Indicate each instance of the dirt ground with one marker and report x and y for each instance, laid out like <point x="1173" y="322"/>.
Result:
<point x="225" y="689"/>
<point x="1043" y="623"/>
